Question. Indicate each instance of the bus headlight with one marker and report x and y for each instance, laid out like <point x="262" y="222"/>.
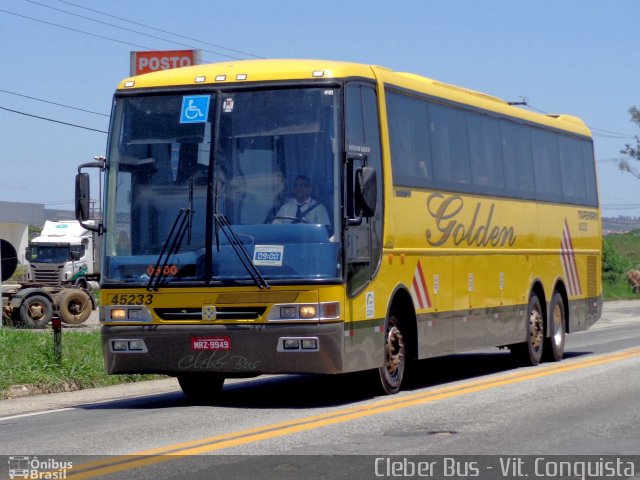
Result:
<point x="127" y="313"/>
<point x="319" y="312"/>
<point x="118" y="314"/>
<point x="288" y="312"/>
<point x="308" y="311"/>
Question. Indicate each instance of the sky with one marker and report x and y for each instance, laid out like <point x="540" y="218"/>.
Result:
<point x="578" y="57"/>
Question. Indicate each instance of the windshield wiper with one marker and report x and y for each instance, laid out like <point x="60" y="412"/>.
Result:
<point x="174" y="241"/>
<point x="223" y="224"/>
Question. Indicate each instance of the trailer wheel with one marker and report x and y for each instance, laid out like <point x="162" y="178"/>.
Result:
<point x="74" y="306"/>
<point x="36" y="311"/>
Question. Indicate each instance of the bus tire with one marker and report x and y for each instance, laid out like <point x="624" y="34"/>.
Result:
<point x="553" y="350"/>
<point x="74" y="306"/>
<point x="395" y="355"/>
<point x="36" y="311"/>
<point x="529" y="353"/>
<point x="201" y="387"/>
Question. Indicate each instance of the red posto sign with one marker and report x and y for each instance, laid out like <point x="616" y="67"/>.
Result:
<point x="145" y="62"/>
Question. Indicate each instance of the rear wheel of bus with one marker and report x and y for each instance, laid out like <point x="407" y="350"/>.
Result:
<point x="201" y="387"/>
<point x="554" y="344"/>
<point x="530" y="352"/>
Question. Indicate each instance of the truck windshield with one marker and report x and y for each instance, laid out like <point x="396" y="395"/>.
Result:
<point x="254" y="172"/>
<point x="49" y="253"/>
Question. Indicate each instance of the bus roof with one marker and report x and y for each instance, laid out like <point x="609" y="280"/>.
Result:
<point x="253" y="70"/>
<point x="461" y="95"/>
<point x="265" y="70"/>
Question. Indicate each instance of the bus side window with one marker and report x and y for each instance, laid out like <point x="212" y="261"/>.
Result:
<point x="545" y="160"/>
<point x="486" y="152"/>
<point x="450" y="144"/>
<point x="408" y="119"/>
<point x="518" y="161"/>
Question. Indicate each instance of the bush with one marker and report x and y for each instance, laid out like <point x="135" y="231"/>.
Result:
<point x="613" y="265"/>
<point x="20" y="275"/>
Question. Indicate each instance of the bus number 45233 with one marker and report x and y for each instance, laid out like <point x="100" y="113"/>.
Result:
<point x="132" y="299"/>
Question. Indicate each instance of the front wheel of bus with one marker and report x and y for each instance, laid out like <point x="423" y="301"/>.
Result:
<point x="530" y="352"/>
<point x="201" y="387"/>
<point x="554" y="344"/>
<point x="395" y="356"/>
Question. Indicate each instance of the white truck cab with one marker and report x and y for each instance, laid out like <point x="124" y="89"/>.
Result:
<point x="64" y="253"/>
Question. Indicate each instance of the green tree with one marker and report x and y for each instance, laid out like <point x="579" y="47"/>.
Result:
<point x="630" y="150"/>
<point x="34" y="231"/>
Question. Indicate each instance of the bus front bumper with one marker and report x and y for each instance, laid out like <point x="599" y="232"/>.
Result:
<point x="231" y="350"/>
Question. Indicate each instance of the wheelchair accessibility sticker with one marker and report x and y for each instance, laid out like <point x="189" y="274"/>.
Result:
<point x="195" y="109"/>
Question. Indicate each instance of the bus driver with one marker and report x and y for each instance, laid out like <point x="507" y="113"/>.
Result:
<point x="301" y="208"/>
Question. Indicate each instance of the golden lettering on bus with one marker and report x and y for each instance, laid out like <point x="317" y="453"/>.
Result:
<point x="479" y="232"/>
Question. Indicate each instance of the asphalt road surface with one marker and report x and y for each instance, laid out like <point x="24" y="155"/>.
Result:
<point x="455" y="412"/>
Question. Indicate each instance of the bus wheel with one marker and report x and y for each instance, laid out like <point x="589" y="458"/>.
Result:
<point x="530" y="352"/>
<point x="395" y="356"/>
<point x="36" y="311"/>
<point x="554" y="345"/>
<point x="201" y="387"/>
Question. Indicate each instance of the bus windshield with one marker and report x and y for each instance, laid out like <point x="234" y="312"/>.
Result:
<point x="208" y="188"/>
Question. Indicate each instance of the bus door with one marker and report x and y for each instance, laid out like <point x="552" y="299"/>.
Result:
<point x="363" y="235"/>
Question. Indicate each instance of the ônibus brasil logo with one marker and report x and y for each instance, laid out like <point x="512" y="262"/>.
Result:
<point x="35" y="468"/>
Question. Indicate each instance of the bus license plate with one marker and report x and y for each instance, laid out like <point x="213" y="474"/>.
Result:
<point x="210" y="343"/>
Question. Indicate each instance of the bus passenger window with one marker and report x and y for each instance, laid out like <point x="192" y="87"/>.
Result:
<point x="450" y="145"/>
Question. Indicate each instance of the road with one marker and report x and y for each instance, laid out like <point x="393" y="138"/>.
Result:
<point x="472" y="404"/>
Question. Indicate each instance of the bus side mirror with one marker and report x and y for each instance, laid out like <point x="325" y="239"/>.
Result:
<point x="362" y="195"/>
<point x="366" y="191"/>
<point x="82" y="202"/>
<point x="82" y="197"/>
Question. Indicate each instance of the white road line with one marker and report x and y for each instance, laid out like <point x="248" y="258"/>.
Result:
<point x="33" y="414"/>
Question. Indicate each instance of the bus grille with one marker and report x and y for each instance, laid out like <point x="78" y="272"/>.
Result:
<point x="222" y="313"/>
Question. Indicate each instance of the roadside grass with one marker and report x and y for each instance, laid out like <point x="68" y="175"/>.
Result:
<point x="621" y="253"/>
<point x="618" y="290"/>
<point x="27" y="358"/>
<point x="628" y="247"/>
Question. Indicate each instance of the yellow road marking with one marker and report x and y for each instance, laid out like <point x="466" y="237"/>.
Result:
<point x="204" y="445"/>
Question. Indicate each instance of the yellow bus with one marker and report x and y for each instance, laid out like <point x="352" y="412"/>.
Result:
<point x="305" y="216"/>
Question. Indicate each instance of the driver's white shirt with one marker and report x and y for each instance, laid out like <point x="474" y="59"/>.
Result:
<point x="318" y="214"/>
